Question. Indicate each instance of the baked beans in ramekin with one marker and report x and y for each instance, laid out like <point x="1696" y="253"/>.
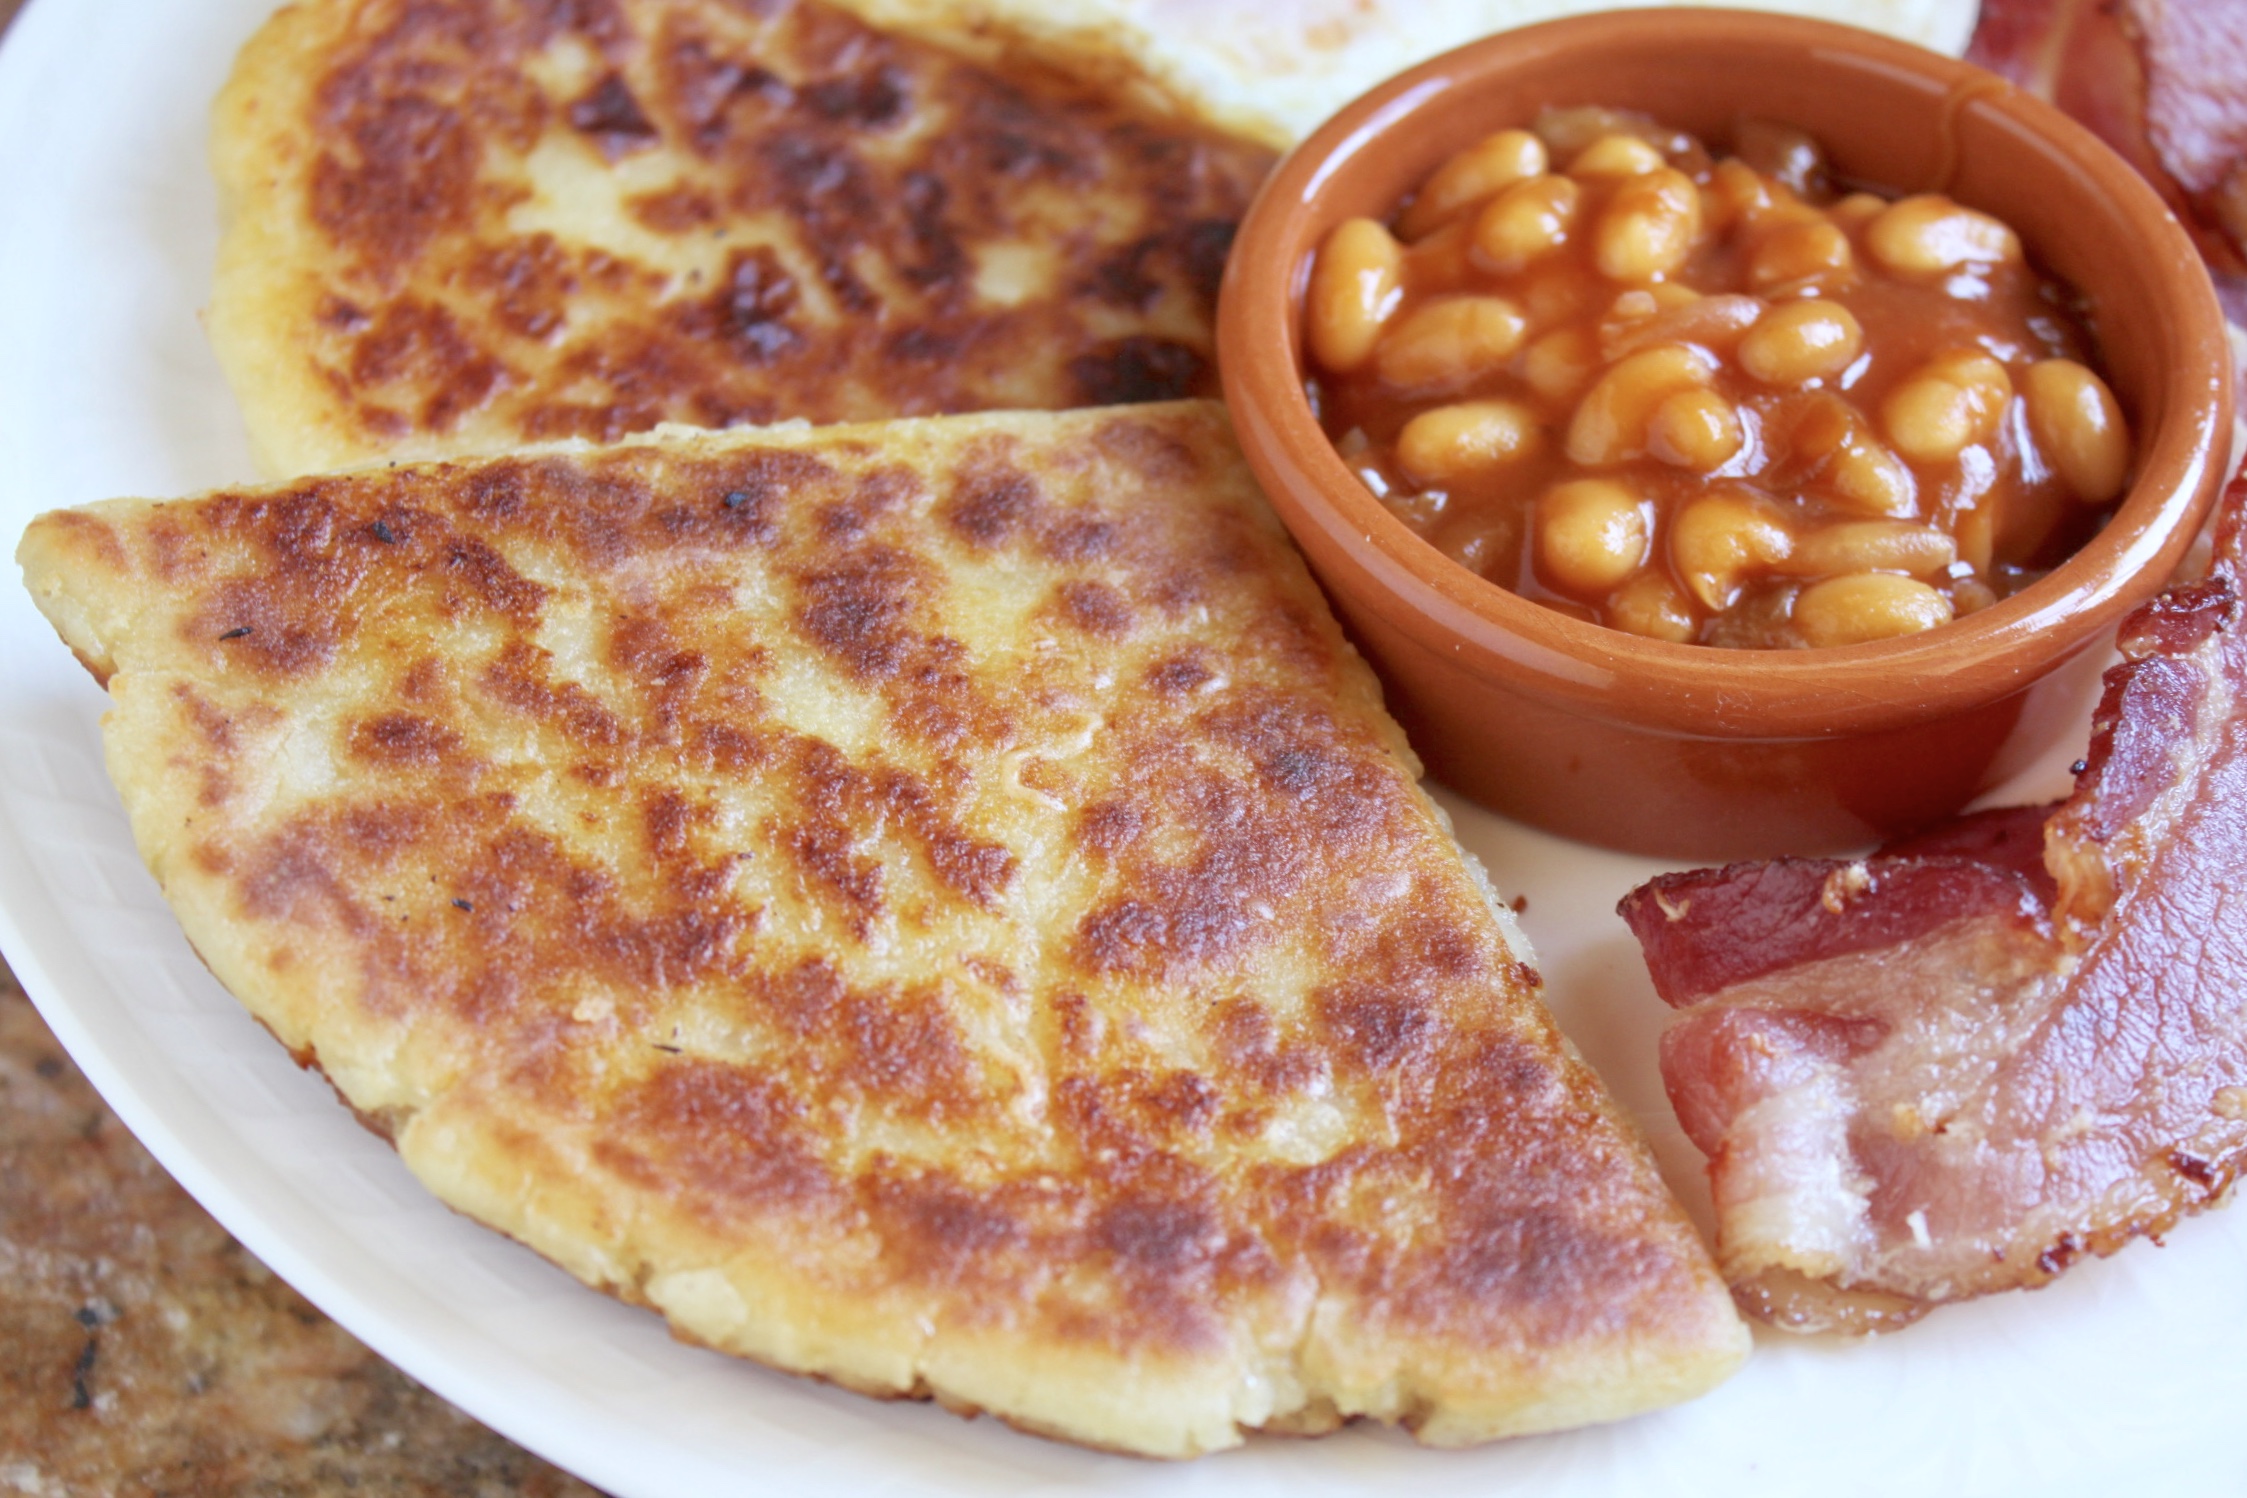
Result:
<point x="1639" y="741"/>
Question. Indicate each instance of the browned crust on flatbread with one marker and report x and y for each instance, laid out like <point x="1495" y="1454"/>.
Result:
<point x="462" y="225"/>
<point x="931" y="905"/>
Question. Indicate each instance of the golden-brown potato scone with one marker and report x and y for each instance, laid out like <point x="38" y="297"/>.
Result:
<point x="464" y="225"/>
<point x="936" y="906"/>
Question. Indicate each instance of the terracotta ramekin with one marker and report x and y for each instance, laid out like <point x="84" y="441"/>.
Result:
<point x="1690" y="751"/>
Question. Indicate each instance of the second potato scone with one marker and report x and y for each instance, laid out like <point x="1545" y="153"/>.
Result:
<point x="461" y="227"/>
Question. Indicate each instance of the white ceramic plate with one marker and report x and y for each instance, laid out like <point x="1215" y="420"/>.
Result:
<point x="2129" y="1372"/>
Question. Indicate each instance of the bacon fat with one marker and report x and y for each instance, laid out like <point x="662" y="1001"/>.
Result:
<point x="1960" y="1064"/>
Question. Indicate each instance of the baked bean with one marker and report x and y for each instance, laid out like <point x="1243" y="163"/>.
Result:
<point x="1869" y="479"/>
<point x="1561" y="363"/>
<point x="2078" y="427"/>
<point x="1591" y="534"/>
<point x="1471" y="175"/>
<point x="1610" y="423"/>
<point x="1354" y="290"/>
<point x="1635" y="316"/>
<point x="1857" y="210"/>
<point x="1981" y="375"/>
<point x="1721" y="538"/>
<point x="1651" y="605"/>
<point x="1785" y="154"/>
<point x="1930" y="234"/>
<point x="1867" y="606"/>
<point x="1615" y="156"/>
<point x="1480" y="547"/>
<point x="1712" y="400"/>
<point x="1853" y="466"/>
<point x="1526" y="221"/>
<point x="1560" y="290"/>
<point x="1970" y="595"/>
<point x="1929" y="420"/>
<point x="1738" y="193"/>
<point x="1630" y="309"/>
<point x="1649" y="227"/>
<point x="1872" y="546"/>
<point x="1715" y="323"/>
<point x="1418" y="508"/>
<point x="1448" y="342"/>
<point x="1694" y="429"/>
<point x="1628" y="314"/>
<point x="1809" y="252"/>
<point x="1465" y="440"/>
<point x="1797" y="342"/>
<point x="1946" y="406"/>
<point x="1567" y="131"/>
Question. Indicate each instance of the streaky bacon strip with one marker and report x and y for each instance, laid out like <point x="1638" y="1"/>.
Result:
<point x="2164" y="82"/>
<point x="1959" y="1064"/>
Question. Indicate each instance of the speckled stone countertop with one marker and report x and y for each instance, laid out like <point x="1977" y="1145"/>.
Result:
<point x="143" y="1352"/>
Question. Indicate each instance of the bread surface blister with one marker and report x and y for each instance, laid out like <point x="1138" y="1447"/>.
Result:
<point x="933" y="905"/>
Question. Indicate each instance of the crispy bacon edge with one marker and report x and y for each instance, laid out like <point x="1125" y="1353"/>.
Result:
<point x="1962" y="1063"/>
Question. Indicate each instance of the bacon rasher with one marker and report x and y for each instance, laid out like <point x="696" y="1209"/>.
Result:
<point x="1962" y="1063"/>
<point x="2162" y="81"/>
